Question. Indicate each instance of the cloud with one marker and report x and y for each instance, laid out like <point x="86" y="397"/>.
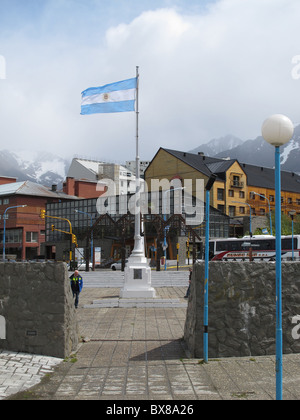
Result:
<point x="202" y="75"/>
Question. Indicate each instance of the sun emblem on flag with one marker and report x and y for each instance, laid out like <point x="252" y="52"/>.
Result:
<point x="105" y="96"/>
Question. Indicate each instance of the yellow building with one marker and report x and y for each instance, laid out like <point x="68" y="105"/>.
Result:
<point x="261" y="183"/>
<point x="238" y="186"/>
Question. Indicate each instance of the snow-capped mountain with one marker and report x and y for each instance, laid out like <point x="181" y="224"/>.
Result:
<point x="259" y="152"/>
<point x="40" y="167"/>
<point x="216" y="146"/>
<point x="48" y="169"/>
<point x="256" y="152"/>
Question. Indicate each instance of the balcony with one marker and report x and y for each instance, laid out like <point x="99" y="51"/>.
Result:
<point x="236" y="183"/>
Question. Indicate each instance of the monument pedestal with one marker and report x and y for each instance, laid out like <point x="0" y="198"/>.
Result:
<point x="137" y="278"/>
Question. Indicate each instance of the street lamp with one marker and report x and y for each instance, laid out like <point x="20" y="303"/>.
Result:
<point x="208" y="187"/>
<point x="253" y="192"/>
<point x="92" y="235"/>
<point x="165" y="219"/>
<point x="292" y="214"/>
<point x="4" y="225"/>
<point x="278" y="130"/>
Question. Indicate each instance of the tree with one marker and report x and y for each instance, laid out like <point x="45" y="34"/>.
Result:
<point x="286" y="224"/>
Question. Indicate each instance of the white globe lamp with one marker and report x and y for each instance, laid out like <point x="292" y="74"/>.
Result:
<point x="277" y="130"/>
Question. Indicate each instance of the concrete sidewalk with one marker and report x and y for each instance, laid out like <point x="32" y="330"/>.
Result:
<point x="139" y="354"/>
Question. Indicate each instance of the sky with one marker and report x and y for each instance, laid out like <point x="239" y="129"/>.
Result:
<point x="207" y="68"/>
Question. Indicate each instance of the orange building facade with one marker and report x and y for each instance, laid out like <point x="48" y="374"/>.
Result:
<point x="237" y="185"/>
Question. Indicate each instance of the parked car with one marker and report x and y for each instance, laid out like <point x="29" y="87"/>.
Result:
<point x="117" y="265"/>
<point x="106" y="263"/>
<point x="82" y="266"/>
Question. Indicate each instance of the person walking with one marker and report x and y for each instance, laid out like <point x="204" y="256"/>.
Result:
<point x="76" y="286"/>
<point x="189" y="288"/>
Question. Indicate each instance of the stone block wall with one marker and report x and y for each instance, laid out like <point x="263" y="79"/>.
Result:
<point x="37" y="313"/>
<point x="242" y="309"/>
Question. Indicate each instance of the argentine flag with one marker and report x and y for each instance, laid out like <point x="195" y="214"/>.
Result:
<point x="115" y="97"/>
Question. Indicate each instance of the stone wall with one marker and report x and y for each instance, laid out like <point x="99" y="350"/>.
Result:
<point x="242" y="309"/>
<point x="37" y="313"/>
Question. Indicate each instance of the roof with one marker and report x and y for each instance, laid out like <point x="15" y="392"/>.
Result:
<point x="204" y="164"/>
<point x="259" y="176"/>
<point x="32" y="189"/>
<point x="91" y="165"/>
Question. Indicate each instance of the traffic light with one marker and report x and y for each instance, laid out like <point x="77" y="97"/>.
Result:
<point x="43" y="214"/>
<point x="74" y="240"/>
<point x="52" y="228"/>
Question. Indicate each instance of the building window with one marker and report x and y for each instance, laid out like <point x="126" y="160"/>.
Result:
<point x="6" y="201"/>
<point x="242" y="194"/>
<point x="262" y="198"/>
<point x="12" y="236"/>
<point x="231" y="211"/>
<point x="220" y="194"/>
<point x="236" y="181"/>
<point x="290" y="200"/>
<point x="252" y="196"/>
<point x="298" y="201"/>
<point x="230" y="193"/>
<point x="242" y="210"/>
<point x="262" y="212"/>
<point x="221" y="208"/>
<point x="272" y="198"/>
<point x="31" y="236"/>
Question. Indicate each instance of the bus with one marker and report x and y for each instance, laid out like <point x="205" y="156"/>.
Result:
<point x="255" y="248"/>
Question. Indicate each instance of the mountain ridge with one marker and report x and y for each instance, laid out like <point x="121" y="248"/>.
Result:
<point x="257" y="152"/>
<point x="39" y="167"/>
<point x="48" y="168"/>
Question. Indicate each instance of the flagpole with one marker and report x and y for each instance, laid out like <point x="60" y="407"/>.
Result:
<point x="137" y="279"/>
<point x="138" y="250"/>
<point x="137" y="170"/>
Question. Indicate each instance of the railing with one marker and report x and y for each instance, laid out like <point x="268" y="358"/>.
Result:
<point x="236" y="184"/>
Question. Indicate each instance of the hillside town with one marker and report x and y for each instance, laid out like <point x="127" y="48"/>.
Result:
<point x="240" y="188"/>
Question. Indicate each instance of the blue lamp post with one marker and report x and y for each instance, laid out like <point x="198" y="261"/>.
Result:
<point x="208" y="187"/>
<point x="278" y="130"/>
<point x="4" y="225"/>
<point x="165" y="219"/>
<point x="92" y="235"/>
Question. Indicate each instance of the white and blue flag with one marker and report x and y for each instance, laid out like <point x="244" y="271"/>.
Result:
<point x="115" y="97"/>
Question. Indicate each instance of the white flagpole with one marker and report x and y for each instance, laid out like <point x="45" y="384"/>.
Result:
<point x="137" y="281"/>
<point x="138" y="243"/>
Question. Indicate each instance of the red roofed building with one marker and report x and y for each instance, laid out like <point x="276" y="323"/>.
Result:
<point x="25" y="230"/>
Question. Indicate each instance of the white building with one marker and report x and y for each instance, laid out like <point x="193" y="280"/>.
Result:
<point x="92" y="170"/>
<point x="131" y="164"/>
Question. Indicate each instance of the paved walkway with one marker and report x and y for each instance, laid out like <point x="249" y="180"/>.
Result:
<point x="20" y="371"/>
<point x="138" y="354"/>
